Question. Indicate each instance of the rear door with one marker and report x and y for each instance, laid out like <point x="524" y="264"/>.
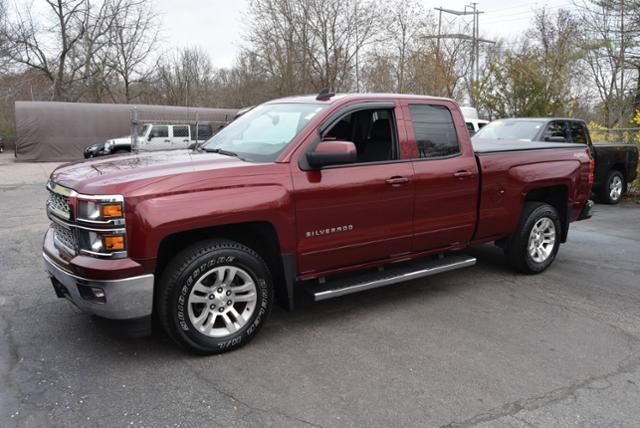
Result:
<point x="445" y="174"/>
<point x="180" y="136"/>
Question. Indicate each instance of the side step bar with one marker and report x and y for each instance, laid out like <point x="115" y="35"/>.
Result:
<point x="392" y="274"/>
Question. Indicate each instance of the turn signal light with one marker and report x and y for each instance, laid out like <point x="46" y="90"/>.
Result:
<point x="113" y="243"/>
<point x="111" y="210"/>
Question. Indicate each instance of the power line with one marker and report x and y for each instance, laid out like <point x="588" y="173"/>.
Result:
<point x="470" y="9"/>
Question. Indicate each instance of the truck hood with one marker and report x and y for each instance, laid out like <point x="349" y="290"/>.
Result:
<point x="157" y="172"/>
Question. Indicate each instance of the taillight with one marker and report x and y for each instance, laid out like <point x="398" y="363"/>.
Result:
<point x="592" y="168"/>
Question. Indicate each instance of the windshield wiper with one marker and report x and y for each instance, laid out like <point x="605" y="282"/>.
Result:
<point x="223" y="152"/>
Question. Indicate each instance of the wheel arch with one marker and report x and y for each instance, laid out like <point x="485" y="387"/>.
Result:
<point x="558" y="197"/>
<point x="260" y="236"/>
<point x="622" y="169"/>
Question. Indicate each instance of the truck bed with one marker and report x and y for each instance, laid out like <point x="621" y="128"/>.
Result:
<point x="494" y="146"/>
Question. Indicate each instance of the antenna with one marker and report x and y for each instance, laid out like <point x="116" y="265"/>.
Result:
<point x="324" y="95"/>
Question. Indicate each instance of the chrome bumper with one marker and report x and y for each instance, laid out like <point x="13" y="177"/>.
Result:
<point x="122" y="299"/>
<point x="586" y="210"/>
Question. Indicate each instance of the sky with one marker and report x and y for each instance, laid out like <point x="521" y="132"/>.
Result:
<point x="217" y="26"/>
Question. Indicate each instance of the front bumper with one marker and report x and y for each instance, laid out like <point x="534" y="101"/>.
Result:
<point x="586" y="210"/>
<point x="122" y="299"/>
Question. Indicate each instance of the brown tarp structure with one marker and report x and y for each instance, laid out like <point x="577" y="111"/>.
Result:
<point x="59" y="131"/>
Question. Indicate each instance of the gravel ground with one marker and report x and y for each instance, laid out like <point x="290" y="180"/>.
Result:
<point x="476" y="347"/>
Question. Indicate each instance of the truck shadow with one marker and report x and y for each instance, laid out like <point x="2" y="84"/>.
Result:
<point x="490" y="266"/>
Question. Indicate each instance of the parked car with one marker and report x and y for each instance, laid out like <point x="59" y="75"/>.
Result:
<point x="615" y="164"/>
<point x="472" y="120"/>
<point x="326" y="195"/>
<point x="154" y="137"/>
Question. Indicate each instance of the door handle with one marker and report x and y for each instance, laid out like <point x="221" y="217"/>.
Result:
<point x="397" y="181"/>
<point x="167" y="141"/>
<point x="463" y="174"/>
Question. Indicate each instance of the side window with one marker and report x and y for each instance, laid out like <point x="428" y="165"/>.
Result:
<point x="159" y="132"/>
<point x="204" y="132"/>
<point x="371" y="131"/>
<point x="181" y="131"/>
<point x="434" y="130"/>
<point x="470" y="128"/>
<point x="557" y="129"/>
<point x="578" y="133"/>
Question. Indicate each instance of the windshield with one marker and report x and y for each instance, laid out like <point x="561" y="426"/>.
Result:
<point x="524" y="130"/>
<point x="264" y="132"/>
<point x="143" y="131"/>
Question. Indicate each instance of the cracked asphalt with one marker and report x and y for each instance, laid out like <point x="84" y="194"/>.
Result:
<point x="480" y="347"/>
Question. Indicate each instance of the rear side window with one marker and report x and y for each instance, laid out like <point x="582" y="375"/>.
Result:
<point x="434" y="130"/>
<point x="578" y="133"/>
<point x="181" y="131"/>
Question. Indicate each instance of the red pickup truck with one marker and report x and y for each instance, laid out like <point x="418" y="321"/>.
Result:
<point x="318" y="196"/>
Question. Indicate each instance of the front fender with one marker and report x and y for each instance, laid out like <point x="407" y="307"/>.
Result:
<point x="156" y="218"/>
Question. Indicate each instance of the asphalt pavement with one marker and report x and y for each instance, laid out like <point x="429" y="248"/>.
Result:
<point x="479" y="347"/>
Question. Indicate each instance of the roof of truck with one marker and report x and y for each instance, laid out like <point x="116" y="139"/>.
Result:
<point x="364" y="97"/>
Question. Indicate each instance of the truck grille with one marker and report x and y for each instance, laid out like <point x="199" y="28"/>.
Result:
<point x="59" y="205"/>
<point x="64" y="236"/>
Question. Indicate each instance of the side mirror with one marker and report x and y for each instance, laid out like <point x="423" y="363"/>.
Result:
<point x="332" y="153"/>
<point x="555" y="139"/>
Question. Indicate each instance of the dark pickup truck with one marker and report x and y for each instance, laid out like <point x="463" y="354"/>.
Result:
<point x="616" y="164"/>
<point x="304" y="196"/>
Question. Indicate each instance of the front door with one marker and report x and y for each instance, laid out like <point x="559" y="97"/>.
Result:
<point x="362" y="212"/>
<point x="159" y="138"/>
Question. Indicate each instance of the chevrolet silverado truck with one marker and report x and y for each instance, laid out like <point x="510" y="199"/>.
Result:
<point x="615" y="164"/>
<point x="309" y="197"/>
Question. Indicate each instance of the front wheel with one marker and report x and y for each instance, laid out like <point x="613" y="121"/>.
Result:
<point x="214" y="296"/>
<point x="533" y="247"/>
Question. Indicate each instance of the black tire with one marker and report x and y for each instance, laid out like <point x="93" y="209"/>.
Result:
<point x="516" y="249"/>
<point x="181" y="275"/>
<point x="605" y="194"/>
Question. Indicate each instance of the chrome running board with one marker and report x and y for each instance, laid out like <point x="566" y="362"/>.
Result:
<point x="392" y="274"/>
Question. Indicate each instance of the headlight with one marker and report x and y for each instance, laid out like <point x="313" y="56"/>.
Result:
<point x="97" y="211"/>
<point x="101" y="221"/>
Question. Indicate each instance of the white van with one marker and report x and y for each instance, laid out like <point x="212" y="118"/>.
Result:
<point x="474" y="124"/>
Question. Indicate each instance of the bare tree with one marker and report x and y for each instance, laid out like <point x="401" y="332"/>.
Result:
<point x="133" y="35"/>
<point x="317" y="40"/>
<point x="605" y="28"/>
<point x="184" y="78"/>
<point x="28" y="40"/>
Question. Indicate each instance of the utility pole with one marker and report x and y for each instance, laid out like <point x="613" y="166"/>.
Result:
<point x="470" y="9"/>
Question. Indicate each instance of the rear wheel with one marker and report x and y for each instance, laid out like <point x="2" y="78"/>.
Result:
<point x="614" y="188"/>
<point x="533" y="247"/>
<point x="215" y="296"/>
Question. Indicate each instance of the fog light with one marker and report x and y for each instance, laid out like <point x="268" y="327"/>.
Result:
<point x="113" y="243"/>
<point x="98" y="293"/>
